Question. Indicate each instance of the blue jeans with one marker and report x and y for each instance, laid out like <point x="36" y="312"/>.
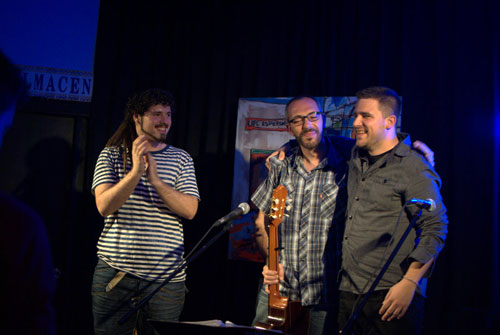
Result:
<point x="322" y="318"/>
<point x="109" y="307"/>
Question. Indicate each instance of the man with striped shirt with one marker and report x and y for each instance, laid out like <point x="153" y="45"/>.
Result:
<point x="143" y="187"/>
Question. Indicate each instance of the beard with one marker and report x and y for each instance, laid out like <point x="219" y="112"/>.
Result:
<point x="161" y="139"/>
<point x="309" y="143"/>
<point x="361" y="139"/>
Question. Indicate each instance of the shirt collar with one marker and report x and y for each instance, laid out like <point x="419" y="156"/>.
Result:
<point x="403" y="148"/>
<point x="332" y="159"/>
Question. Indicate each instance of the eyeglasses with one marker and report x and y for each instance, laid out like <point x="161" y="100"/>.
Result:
<point x="299" y="120"/>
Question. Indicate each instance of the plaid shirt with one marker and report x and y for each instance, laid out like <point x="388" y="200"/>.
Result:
<point x="310" y="234"/>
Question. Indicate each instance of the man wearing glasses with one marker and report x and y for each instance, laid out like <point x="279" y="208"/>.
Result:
<point x="143" y="187"/>
<point x="314" y="173"/>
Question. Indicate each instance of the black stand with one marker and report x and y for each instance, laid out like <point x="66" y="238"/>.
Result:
<point x="188" y="260"/>
<point x="363" y="302"/>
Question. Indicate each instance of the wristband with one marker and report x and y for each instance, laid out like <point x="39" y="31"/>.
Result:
<point x="413" y="281"/>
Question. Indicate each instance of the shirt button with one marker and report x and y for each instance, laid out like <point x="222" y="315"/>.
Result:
<point x="345" y="237"/>
<point x="363" y="179"/>
<point x="350" y="217"/>
<point x="357" y="198"/>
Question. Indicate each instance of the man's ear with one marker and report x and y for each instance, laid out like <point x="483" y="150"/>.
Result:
<point x="136" y="118"/>
<point x="390" y="121"/>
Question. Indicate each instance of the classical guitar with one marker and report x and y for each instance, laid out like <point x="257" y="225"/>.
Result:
<point x="287" y="316"/>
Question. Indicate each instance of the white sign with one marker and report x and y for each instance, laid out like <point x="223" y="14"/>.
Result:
<point x="58" y="84"/>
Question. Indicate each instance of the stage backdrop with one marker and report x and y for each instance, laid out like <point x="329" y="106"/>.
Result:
<point x="261" y="129"/>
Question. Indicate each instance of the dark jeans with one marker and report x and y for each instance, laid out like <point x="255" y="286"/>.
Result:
<point x="109" y="307"/>
<point x="369" y="322"/>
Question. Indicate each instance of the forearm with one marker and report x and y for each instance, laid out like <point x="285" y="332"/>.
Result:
<point x="110" y="197"/>
<point x="400" y="295"/>
<point x="260" y="233"/>
<point x="417" y="270"/>
<point x="182" y="204"/>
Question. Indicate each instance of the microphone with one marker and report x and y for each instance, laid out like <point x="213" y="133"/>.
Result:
<point x="428" y="204"/>
<point x="242" y="208"/>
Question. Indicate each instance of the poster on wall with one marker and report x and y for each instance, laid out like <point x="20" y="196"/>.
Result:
<point x="261" y="129"/>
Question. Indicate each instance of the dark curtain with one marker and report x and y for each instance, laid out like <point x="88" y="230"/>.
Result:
<point x="441" y="56"/>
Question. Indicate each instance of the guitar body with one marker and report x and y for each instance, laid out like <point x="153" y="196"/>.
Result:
<point x="287" y="316"/>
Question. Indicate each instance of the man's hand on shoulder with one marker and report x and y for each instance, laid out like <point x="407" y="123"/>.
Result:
<point x="281" y="153"/>
<point x="424" y="150"/>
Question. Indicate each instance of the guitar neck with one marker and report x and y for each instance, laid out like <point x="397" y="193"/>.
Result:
<point x="277" y="211"/>
<point x="273" y="256"/>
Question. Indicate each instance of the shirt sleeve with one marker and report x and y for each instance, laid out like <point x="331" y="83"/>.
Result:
<point x="104" y="171"/>
<point x="186" y="183"/>
<point x="262" y="196"/>
<point x="432" y="227"/>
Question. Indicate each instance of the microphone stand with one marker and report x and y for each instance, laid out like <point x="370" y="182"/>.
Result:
<point x="358" y="309"/>
<point x="179" y="268"/>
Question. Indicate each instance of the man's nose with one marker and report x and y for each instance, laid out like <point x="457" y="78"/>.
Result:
<point x="164" y="118"/>
<point x="357" y="121"/>
<point x="306" y="123"/>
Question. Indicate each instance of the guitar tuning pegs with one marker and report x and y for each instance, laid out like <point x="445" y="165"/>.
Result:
<point x="276" y="201"/>
<point x="288" y="207"/>
<point x="273" y="217"/>
<point x="286" y="215"/>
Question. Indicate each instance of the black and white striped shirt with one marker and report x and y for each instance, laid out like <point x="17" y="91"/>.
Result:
<point x="144" y="238"/>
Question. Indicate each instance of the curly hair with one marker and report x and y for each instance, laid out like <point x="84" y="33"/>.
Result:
<point x="138" y="104"/>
